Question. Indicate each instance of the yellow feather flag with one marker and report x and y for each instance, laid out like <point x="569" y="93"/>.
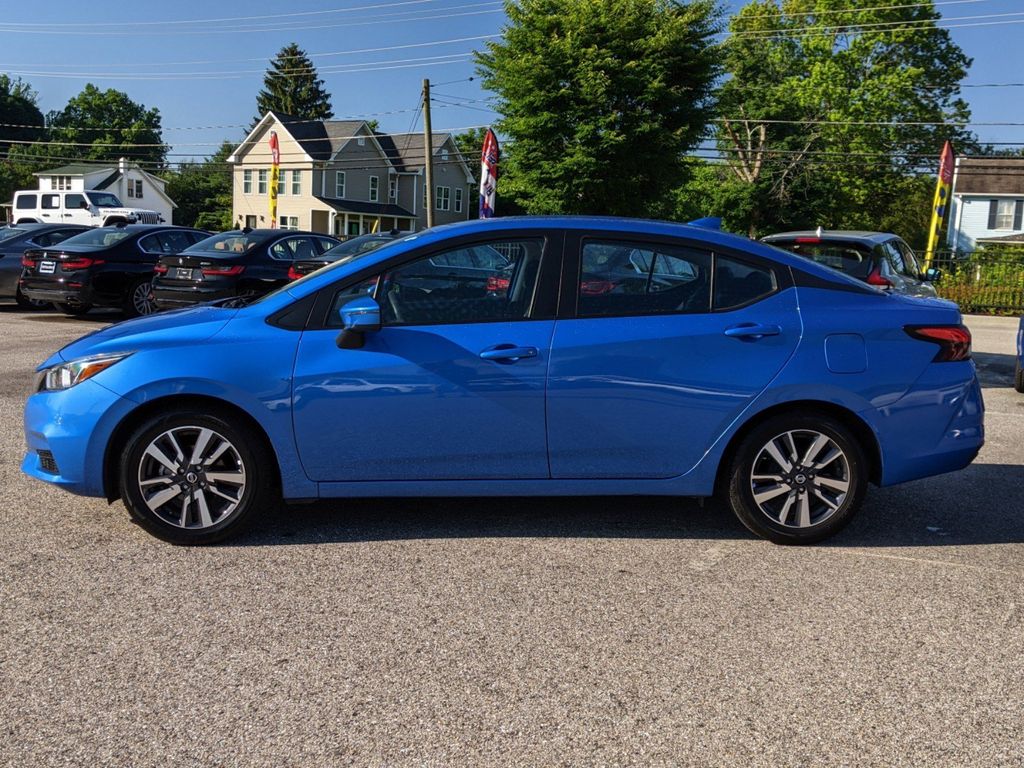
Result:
<point x="941" y="202"/>
<point x="275" y="175"/>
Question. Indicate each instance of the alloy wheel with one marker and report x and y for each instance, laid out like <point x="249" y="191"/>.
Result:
<point x="142" y="299"/>
<point x="191" y="477"/>
<point x="800" y="478"/>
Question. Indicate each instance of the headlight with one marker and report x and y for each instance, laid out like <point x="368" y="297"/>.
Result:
<point x="68" y="374"/>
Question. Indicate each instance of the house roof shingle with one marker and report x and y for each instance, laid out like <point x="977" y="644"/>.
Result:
<point x="374" y="209"/>
<point x="76" y="169"/>
<point x="990" y="176"/>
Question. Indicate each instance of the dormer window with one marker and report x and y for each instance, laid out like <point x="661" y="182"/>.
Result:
<point x="361" y="141"/>
<point x="60" y="182"/>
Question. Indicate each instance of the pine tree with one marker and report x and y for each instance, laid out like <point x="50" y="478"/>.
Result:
<point x="291" y="87"/>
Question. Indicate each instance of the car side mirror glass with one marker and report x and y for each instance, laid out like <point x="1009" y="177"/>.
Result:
<point x="932" y="274"/>
<point x="358" y="317"/>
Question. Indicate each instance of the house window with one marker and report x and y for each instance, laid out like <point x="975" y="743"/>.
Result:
<point x="138" y="187"/>
<point x="60" y="182"/>
<point x="374" y="189"/>
<point x="339" y="184"/>
<point x="131" y="188"/>
<point x="458" y="199"/>
<point x="393" y="188"/>
<point x="250" y="221"/>
<point x="289" y="222"/>
<point x="444" y="155"/>
<point x="281" y="184"/>
<point x="1005" y="210"/>
<point x="361" y="141"/>
<point x="296" y="182"/>
<point x="261" y="181"/>
<point x="443" y="198"/>
<point x="247" y="181"/>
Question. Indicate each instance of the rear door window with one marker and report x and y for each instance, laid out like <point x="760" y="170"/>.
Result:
<point x="294" y="249"/>
<point x="738" y="283"/>
<point x="50" y="202"/>
<point x="152" y="244"/>
<point x="174" y="242"/>
<point x="633" y="278"/>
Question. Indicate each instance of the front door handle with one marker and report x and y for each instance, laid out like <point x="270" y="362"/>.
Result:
<point x="752" y="330"/>
<point x="508" y="353"/>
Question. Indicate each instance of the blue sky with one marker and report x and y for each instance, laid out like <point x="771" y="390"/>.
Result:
<point x="153" y="56"/>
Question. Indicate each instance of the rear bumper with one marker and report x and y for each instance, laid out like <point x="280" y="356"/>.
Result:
<point x="58" y="291"/>
<point x="937" y="427"/>
<point x="181" y="297"/>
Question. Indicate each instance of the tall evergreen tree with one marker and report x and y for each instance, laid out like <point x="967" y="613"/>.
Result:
<point x="291" y="86"/>
<point x="600" y="100"/>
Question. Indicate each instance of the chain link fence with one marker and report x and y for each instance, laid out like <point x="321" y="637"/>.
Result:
<point x="983" y="282"/>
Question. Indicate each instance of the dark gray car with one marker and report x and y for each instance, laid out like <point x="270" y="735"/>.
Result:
<point x="14" y="241"/>
<point x="881" y="259"/>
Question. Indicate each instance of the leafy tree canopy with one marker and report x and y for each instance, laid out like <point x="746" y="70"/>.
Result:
<point x="291" y="86"/>
<point x="831" y="111"/>
<point x="202" y="191"/>
<point x="600" y="100"/>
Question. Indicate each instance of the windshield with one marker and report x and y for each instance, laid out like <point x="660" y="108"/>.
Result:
<point x="7" y="234"/>
<point x="98" y="238"/>
<point x="850" y="258"/>
<point x="336" y="265"/>
<point x="103" y="199"/>
<point x="354" y="247"/>
<point x="227" y="243"/>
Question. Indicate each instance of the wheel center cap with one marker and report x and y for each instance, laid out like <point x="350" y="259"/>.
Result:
<point x="799" y="479"/>
<point x="192" y="478"/>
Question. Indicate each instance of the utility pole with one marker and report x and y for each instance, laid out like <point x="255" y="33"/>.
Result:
<point x="428" y="148"/>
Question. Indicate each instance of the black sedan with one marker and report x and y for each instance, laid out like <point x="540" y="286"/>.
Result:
<point x="103" y="267"/>
<point x="14" y="241"/>
<point x="246" y="263"/>
<point x="347" y="250"/>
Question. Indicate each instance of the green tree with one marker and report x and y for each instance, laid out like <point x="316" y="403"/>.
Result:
<point x="830" y="114"/>
<point x="20" y="114"/>
<point x="291" y="87"/>
<point x="103" y="126"/>
<point x="600" y="100"/>
<point x="202" y="191"/>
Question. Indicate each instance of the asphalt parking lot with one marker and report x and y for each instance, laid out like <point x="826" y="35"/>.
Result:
<point x="595" y="631"/>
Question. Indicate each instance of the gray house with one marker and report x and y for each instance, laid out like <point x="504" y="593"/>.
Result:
<point x="341" y="177"/>
<point x="987" y="202"/>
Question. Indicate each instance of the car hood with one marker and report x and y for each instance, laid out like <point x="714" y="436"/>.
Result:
<point x="193" y="325"/>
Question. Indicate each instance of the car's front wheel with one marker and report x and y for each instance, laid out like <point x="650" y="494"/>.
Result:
<point x="798" y="479"/>
<point x="196" y="478"/>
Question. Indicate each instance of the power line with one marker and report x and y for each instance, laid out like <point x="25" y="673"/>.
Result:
<point x="894" y="27"/>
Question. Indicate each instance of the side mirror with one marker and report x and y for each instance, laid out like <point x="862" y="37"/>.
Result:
<point x="931" y="274"/>
<point x="358" y="317"/>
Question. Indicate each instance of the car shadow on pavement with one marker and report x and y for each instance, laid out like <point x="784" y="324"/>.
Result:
<point x="983" y="504"/>
<point x="995" y="369"/>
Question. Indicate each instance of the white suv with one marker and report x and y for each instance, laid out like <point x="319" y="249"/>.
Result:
<point x="97" y="209"/>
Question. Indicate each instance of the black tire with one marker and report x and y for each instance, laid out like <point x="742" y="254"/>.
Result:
<point x="75" y="310"/>
<point x="803" y="501"/>
<point x="29" y="304"/>
<point x="134" y="305"/>
<point x="180" y="519"/>
<point x="1018" y="378"/>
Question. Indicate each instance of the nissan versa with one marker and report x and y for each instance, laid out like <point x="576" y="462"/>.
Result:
<point x="604" y="356"/>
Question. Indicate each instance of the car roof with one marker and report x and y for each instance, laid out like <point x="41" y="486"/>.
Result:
<point x="710" y="238"/>
<point x="841" y="235"/>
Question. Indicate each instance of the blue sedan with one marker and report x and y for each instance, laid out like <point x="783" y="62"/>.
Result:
<point x="598" y="356"/>
<point x="1018" y="377"/>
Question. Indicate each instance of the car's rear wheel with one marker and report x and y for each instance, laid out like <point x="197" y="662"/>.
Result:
<point x="72" y="309"/>
<point x="26" y="303"/>
<point x="139" y="299"/>
<point x="1018" y="378"/>
<point x="196" y="478"/>
<point x="798" y="479"/>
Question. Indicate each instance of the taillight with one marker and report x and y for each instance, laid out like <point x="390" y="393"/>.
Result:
<point x="83" y="262"/>
<point x="497" y="284"/>
<point x="293" y="274"/>
<point x="954" y="340"/>
<point x="596" y="287"/>
<point x="27" y="261"/>
<point x="875" y="278"/>
<point x="160" y="269"/>
<point x="223" y="271"/>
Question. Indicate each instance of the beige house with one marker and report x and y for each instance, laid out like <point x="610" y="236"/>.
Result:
<point x="340" y="177"/>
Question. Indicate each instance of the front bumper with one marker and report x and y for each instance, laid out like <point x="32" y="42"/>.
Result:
<point x="72" y="428"/>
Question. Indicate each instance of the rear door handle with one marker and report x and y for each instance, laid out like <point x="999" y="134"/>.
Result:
<point x="508" y="353"/>
<point x="753" y="331"/>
